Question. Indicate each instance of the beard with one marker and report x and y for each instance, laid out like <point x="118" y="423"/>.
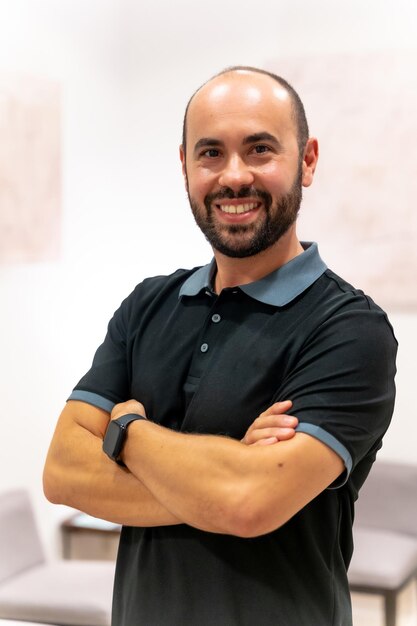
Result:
<point x="245" y="240"/>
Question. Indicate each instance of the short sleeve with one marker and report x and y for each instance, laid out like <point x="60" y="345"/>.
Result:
<point x="107" y="381"/>
<point x="342" y="386"/>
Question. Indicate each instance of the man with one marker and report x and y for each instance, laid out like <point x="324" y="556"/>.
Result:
<point x="217" y="529"/>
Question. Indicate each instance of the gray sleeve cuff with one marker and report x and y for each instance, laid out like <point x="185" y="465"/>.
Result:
<point x="330" y="441"/>
<point x="92" y="398"/>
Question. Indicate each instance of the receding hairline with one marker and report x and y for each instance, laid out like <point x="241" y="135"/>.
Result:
<point x="297" y="107"/>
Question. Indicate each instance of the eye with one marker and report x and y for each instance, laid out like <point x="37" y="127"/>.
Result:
<point x="261" y="149"/>
<point x="211" y="153"/>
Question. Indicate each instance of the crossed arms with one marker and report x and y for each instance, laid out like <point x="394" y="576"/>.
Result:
<point x="244" y="488"/>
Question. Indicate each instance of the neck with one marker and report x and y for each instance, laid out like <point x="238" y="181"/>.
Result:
<point x="233" y="271"/>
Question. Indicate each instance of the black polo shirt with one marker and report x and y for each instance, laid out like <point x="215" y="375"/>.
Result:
<point x="201" y="362"/>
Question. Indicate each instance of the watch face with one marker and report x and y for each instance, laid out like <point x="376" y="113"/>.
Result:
<point x="113" y="440"/>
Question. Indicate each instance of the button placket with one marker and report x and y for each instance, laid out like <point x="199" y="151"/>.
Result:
<point x="213" y="318"/>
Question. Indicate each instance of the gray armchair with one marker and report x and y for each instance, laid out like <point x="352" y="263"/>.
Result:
<point x="67" y="593"/>
<point x="385" y="534"/>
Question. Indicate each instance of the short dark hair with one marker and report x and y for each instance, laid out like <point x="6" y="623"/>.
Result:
<point x="297" y="105"/>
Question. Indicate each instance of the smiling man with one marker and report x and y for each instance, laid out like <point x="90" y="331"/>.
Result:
<point x="245" y="169"/>
<point x="233" y="411"/>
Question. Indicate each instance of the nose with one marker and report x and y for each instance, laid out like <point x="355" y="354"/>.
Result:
<point x="236" y="174"/>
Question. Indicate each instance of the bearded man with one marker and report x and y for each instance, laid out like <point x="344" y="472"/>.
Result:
<point x="233" y="411"/>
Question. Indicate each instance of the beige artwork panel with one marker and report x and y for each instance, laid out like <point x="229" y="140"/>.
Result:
<point x="30" y="181"/>
<point x="362" y="205"/>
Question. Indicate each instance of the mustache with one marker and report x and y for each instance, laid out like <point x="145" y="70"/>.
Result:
<point x="245" y="192"/>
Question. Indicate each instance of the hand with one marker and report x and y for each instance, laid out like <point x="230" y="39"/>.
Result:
<point x="271" y="426"/>
<point x="131" y="406"/>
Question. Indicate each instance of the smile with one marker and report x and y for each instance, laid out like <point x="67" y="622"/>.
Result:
<point x="238" y="208"/>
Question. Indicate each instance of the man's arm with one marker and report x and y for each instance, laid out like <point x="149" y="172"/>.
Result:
<point x="78" y="473"/>
<point x="219" y="484"/>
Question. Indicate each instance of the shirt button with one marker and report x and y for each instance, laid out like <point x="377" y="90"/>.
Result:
<point x="204" y="347"/>
<point x="216" y="318"/>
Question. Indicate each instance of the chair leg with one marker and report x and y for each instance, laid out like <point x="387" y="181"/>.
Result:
<point x="390" y="608"/>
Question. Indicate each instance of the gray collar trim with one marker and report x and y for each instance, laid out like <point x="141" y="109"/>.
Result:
<point x="278" y="288"/>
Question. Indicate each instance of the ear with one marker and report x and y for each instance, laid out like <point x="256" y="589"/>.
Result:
<point x="182" y="158"/>
<point x="184" y="168"/>
<point x="310" y="158"/>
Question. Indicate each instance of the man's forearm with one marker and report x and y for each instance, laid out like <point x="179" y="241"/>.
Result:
<point x="78" y="473"/>
<point x="221" y="485"/>
<point x="198" y="477"/>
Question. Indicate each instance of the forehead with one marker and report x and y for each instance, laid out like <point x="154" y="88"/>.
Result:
<point x="240" y="102"/>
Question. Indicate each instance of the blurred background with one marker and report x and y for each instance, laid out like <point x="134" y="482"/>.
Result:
<point x="92" y="95"/>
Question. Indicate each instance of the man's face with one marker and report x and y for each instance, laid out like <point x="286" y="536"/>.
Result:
<point x="243" y="170"/>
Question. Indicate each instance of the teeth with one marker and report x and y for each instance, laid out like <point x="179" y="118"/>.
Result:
<point x="238" y="208"/>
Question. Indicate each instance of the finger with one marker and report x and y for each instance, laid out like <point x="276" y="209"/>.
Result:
<point x="131" y="406"/>
<point x="264" y="433"/>
<point x="274" y="421"/>
<point x="117" y="410"/>
<point x="278" y="408"/>
<point x="271" y="426"/>
<point x="266" y="442"/>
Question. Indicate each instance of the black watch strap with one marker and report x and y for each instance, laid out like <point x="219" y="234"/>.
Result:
<point x="124" y="420"/>
<point x="116" y="433"/>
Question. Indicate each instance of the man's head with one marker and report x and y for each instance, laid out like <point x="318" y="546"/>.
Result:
<point x="297" y="105"/>
<point x="246" y="155"/>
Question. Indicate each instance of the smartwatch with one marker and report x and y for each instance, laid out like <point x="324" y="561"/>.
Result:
<point x="116" y="434"/>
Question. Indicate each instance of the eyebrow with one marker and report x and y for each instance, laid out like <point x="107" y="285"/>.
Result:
<point x="210" y="142"/>
<point x="207" y="142"/>
<point x="264" y="136"/>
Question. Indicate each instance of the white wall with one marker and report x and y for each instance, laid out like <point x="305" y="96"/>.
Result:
<point x="127" y="69"/>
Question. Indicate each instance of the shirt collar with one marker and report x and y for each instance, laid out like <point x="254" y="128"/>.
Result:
<point x="278" y="288"/>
